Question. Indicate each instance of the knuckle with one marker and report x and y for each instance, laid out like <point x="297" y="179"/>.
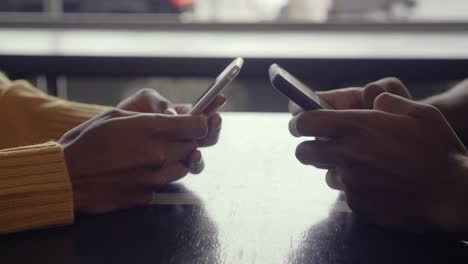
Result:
<point x="371" y="92"/>
<point x="394" y="81"/>
<point x="395" y="84"/>
<point x="115" y="113"/>
<point x="430" y="111"/>
<point x="383" y="98"/>
<point x="145" y="92"/>
<point x="383" y="101"/>
<point x="373" y="88"/>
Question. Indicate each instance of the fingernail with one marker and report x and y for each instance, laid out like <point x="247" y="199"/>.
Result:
<point x="293" y="127"/>
<point x="170" y="111"/>
<point x="198" y="166"/>
<point x="224" y="101"/>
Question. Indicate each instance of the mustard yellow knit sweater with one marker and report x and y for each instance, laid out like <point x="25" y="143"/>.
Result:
<point x="35" y="189"/>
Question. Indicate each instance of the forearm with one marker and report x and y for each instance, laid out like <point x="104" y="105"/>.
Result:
<point x="32" y="117"/>
<point x="454" y="105"/>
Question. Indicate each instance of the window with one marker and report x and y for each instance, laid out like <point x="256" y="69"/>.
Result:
<point x="261" y="11"/>
<point x="304" y="33"/>
<point x="22" y="6"/>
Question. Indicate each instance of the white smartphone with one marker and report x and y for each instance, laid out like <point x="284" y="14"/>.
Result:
<point x="221" y="82"/>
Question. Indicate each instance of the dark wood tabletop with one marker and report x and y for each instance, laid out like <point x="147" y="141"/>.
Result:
<point x="254" y="203"/>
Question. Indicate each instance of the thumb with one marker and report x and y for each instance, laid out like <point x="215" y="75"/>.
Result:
<point x="153" y="101"/>
<point x="395" y="104"/>
<point x="183" y="109"/>
<point x="145" y="101"/>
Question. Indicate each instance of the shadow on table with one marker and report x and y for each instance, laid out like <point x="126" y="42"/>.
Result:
<point x="344" y="238"/>
<point x="155" y="234"/>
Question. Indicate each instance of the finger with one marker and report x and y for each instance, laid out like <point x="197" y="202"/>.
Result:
<point x="320" y="154"/>
<point x="196" y="163"/>
<point x="334" y="181"/>
<point x="294" y="109"/>
<point x="170" y="111"/>
<point x="361" y="178"/>
<point x="369" y="94"/>
<point x="395" y="104"/>
<point x="344" y="98"/>
<point x="159" y="154"/>
<point x="214" y="131"/>
<point x="328" y="123"/>
<point x="391" y="85"/>
<point x="183" y="109"/>
<point x="178" y="151"/>
<point x="165" y="175"/>
<point x="218" y="102"/>
<point x="150" y="101"/>
<point x="180" y="127"/>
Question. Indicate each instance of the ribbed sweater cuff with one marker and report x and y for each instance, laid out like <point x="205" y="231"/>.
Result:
<point x="4" y="80"/>
<point x="35" y="189"/>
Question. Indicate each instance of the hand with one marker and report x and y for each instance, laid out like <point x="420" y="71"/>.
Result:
<point x="117" y="159"/>
<point x="150" y="101"/>
<point x="401" y="164"/>
<point x="359" y="98"/>
<point x="145" y="101"/>
<point x="214" y="120"/>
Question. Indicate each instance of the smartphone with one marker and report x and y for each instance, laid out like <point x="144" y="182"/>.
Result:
<point x="221" y="82"/>
<point x="295" y="90"/>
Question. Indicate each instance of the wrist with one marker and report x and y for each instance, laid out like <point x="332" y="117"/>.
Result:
<point x="450" y="216"/>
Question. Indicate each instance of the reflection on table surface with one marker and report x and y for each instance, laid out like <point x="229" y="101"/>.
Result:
<point x="253" y="204"/>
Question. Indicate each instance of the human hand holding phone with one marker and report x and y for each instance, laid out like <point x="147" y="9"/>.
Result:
<point x="214" y="119"/>
<point x="195" y="160"/>
<point x="359" y="97"/>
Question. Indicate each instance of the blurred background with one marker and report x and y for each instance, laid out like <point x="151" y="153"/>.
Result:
<point x="102" y="51"/>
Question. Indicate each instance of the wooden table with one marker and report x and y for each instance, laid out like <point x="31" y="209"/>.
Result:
<point x="254" y="203"/>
